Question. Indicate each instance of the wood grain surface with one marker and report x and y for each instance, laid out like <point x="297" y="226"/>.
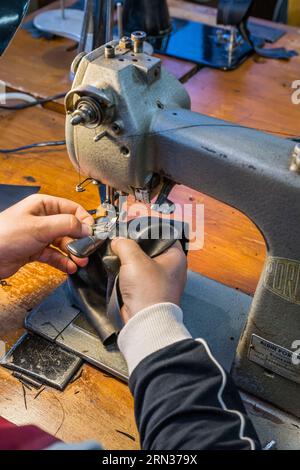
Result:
<point x="258" y="94"/>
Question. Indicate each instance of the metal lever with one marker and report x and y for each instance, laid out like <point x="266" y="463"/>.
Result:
<point x="85" y="246"/>
<point x="162" y="203"/>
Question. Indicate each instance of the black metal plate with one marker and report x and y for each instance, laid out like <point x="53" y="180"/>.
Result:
<point x="43" y="360"/>
<point x="198" y="43"/>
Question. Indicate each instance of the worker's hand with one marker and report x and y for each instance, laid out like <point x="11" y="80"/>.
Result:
<point x="38" y="229"/>
<point x="145" y="281"/>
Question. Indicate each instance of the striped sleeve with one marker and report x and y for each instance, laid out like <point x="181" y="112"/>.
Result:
<point x="184" y="400"/>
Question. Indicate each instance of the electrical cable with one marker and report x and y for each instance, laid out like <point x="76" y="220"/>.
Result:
<point x="35" y="145"/>
<point x="32" y="103"/>
<point x="4" y="97"/>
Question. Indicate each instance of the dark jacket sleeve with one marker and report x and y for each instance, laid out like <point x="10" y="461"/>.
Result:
<point x="184" y="400"/>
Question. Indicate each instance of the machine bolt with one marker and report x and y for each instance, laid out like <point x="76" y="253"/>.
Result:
<point x="125" y="43"/>
<point x="77" y="119"/>
<point x="295" y="164"/>
<point x="109" y="51"/>
<point x="138" y="38"/>
<point x="88" y="113"/>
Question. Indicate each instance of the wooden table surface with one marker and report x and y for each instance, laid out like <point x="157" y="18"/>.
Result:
<point x="257" y="94"/>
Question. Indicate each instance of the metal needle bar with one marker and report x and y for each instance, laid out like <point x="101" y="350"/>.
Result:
<point x="63" y="9"/>
<point x="120" y="19"/>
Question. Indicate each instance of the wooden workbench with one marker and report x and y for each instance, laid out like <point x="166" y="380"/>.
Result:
<point x="257" y="94"/>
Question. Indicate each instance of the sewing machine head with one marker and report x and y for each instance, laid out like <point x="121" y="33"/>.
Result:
<point x="116" y="93"/>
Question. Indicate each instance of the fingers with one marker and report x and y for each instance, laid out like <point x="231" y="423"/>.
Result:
<point x="59" y="226"/>
<point x="44" y="205"/>
<point x="57" y="218"/>
<point x="128" y="251"/>
<point x="174" y="254"/>
<point x="173" y="258"/>
<point x="84" y="216"/>
<point x="57" y="260"/>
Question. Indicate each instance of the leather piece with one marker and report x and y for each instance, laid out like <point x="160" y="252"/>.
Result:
<point x="10" y="194"/>
<point x="91" y="287"/>
<point x="115" y="305"/>
<point x="88" y="290"/>
<point x="155" y="236"/>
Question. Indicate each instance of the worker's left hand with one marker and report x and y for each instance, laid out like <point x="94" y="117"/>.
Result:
<point x="38" y="229"/>
<point x="148" y="281"/>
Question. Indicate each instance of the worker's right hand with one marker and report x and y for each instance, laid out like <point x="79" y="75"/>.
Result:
<point x="145" y="281"/>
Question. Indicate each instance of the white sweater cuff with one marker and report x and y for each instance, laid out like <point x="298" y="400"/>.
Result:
<point x="151" y="329"/>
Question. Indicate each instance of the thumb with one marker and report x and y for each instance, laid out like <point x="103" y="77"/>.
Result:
<point x="128" y="251"/>
<point x="63" y="225"/>
<point x="173" y="258"/>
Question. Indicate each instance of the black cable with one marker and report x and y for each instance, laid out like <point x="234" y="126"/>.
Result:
<point x="32" y="103"/>
<point x="35" y="145"/>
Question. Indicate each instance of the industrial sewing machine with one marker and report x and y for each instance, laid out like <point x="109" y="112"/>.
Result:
<point x="133" y="147"/>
